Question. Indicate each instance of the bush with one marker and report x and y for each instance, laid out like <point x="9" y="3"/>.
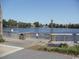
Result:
<point x="43" y="48"/>
<point x="76" y="46"/>
<point x="1" y="39"/>
<point x="70" y="50"/>
<point x="63" y="48"/>
<point x="63" y="45"/>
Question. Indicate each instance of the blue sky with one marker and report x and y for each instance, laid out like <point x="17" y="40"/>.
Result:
<point x="61" y="11"/>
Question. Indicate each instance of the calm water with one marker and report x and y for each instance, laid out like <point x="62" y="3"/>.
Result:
<point x="42" y="30"/>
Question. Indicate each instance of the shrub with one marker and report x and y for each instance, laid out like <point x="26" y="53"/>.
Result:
<point x="76" y="46"/>
<point x="63" y="45"/>
<point x="70" y="50"/>
<point x="1" y="39"/>
<point x="63" y="48"/>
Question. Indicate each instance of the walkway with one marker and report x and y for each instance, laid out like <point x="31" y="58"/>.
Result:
<point x="31" y="54"/>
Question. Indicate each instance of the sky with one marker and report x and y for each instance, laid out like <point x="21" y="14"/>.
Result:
<point x="60" y="11"/>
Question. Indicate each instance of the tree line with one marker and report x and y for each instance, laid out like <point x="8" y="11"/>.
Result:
<point x="11" y="23"/>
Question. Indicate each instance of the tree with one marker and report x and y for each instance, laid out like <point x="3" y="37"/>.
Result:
<point x="12" y="23"/>
<point x="28" y="25"/>
<point x="51" y="25"/>
<point x="36" y="24"/>
<point x="24" y="25"/>
<point x="21" y="25"/>
<point x="5" y="23"/>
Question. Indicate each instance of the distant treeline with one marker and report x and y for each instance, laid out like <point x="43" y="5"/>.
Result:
<point x="14" y="24"/>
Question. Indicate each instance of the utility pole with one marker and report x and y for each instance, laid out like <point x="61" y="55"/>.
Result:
<point x="1" y="26"/>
